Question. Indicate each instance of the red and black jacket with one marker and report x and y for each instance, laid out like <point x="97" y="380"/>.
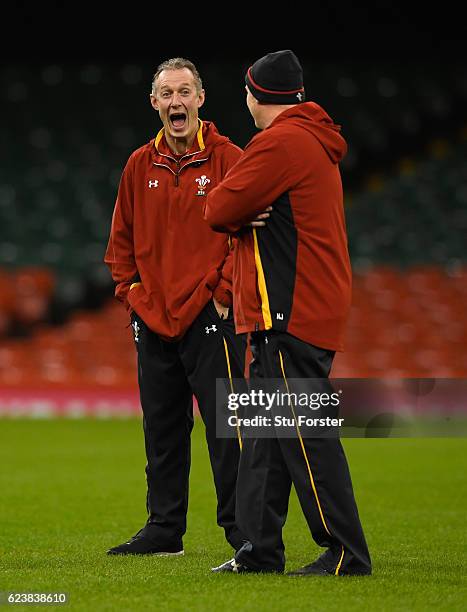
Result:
<point x="293" y="274"/>
<point x="167" y="262"/>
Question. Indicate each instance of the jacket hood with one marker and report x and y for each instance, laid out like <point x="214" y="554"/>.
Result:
<point x="311" y="117"/>
<point x="206" y="139"/>
<point x="211" y="136"/>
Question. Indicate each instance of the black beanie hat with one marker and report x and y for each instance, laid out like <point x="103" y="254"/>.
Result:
<point x="276" y="78"/>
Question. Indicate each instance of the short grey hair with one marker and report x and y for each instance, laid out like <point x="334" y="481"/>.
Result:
<point x="177" y="63"/>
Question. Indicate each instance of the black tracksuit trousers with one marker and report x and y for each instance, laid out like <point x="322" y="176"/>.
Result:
<point x="316" y="466"/>
<point x="169" y="374"/>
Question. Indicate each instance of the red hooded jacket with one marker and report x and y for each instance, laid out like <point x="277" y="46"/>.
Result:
<point x="167" y="262"/>
<point x="293" y="274"/>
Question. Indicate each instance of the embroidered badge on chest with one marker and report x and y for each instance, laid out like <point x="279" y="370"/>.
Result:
<point x="203" y="181"/>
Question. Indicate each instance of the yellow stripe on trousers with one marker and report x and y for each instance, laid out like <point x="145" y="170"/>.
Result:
<point x="303" y="449"/>
<point x="340" y="563"/>
<point x="226" y="349"/>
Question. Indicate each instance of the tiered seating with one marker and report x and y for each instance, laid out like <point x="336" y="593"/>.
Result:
<point x="402" y="325"/>
<point x="409" y="324"/>
<point x="61" y="171"/>
<point x="93" y="349"/>
<point x="416" y="216"/>
<point x="25" y="296"/>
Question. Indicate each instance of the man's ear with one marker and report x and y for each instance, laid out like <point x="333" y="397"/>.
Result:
<point x="201" y="98"/>
<point x="154" y="102"/>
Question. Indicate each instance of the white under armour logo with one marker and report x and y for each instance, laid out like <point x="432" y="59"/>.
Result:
<point x="300" y="96"/>
<point x="211" y="329"/>
<point x="136" y="329"/>
<point x="153" y="184"/>
<point x="279" y="316"/>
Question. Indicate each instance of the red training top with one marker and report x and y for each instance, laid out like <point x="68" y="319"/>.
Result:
<point x="166" y="260"/>
<point x="293" y="274"/>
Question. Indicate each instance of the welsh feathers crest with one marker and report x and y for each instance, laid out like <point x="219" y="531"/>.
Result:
<point x="203" y="182"/>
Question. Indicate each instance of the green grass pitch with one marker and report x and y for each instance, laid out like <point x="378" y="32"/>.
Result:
<point x="69" y="489"/>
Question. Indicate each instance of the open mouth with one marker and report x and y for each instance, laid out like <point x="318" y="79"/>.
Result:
<point x="178" y="120"/>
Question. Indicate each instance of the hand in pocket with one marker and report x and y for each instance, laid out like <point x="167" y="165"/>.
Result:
<point x="222" y="311"/>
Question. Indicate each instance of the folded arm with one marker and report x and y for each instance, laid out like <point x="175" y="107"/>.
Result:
<point x="250" y="187"/>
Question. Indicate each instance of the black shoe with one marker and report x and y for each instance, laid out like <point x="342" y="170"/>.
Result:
<point x="325" y="565"/>
<point x="142" y="544"/>
<point x="237" y="565"/>
<point x="232" y="567"/>
<point x="313" y="569"/>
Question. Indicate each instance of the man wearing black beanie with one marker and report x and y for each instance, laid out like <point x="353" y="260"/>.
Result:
<point x="291" y="291"/>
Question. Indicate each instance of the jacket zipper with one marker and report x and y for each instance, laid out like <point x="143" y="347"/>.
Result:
<point x="179" y="170"/>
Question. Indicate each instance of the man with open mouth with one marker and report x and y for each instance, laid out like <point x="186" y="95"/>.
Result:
<point x="174" y="275"/>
